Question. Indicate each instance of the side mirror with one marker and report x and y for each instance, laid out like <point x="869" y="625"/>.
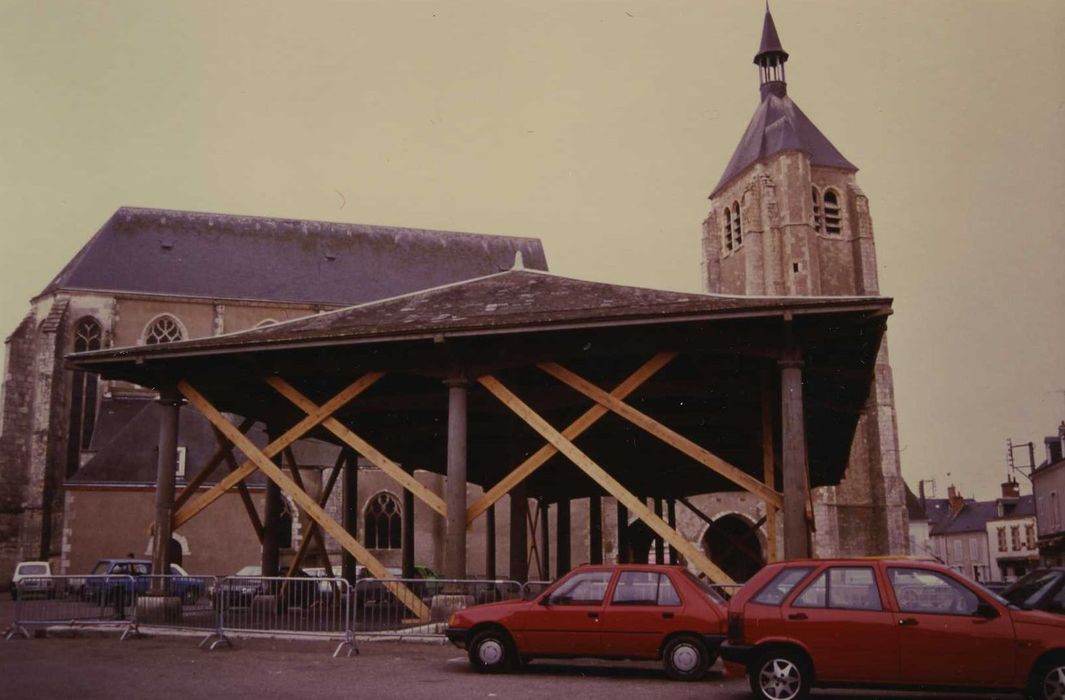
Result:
<point x="986" y="611"/>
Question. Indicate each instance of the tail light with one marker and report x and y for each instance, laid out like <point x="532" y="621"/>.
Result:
<point x="735" y="628"/>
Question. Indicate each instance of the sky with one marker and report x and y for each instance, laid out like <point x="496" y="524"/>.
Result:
<point x="599" y="126"/>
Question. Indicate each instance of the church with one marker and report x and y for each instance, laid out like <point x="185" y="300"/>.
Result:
<point x="786" y="220"/>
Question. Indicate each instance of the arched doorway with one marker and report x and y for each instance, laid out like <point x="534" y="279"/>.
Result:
<point x="732" y="543"/>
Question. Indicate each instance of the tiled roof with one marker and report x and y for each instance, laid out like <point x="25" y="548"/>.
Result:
<point x="222" y="256"/>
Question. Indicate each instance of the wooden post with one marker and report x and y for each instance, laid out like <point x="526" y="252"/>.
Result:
<point x="671" y="509"/>
<point x="595" y="529"/>
<point x="660" y="549"/>
<point x="455" y="539"/>
<point x="794" y="468"/>
<point x="769" y="467"/>
<point x="349" y="511"/>
<point x="408" y="534"/>
<point x="166" y="469"/>
<point x="490" y="542"/>
<point x="562" y="538"/>
<point x="273" y="507"/>
<point x="519" y="534"/>
<point x="545" y="540"/>
<point x="623" y="533"/>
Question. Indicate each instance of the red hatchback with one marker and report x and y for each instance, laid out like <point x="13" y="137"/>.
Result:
<point x="610" y="612"/>
<point x="887" y="623"/>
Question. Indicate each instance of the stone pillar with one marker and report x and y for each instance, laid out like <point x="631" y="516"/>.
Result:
<point x="595" y="530"/>
<point x="623" y="533"/>
<point x="490" y="542"/>
<point x="794" y="461"/>
<point x="562" y="538"/>
<point x="166" y="468"/>
<point x="545" y="541"/>
<point x="455" y="545"/>
<point x="519" y="534"/>
<point x="349" y="512"/>
<point x="408" y="534"/>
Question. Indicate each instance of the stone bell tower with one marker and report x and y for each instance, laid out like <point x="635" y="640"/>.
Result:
<point x="787" y="218"/>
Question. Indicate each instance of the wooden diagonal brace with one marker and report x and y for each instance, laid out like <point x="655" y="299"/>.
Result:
<point x="313" y="533"/>
<point x="601" y="477"/>
<point x="189" y="511"/>
<point x="633" y="382"/>
<point x="313" y="526"/>
<point x="667" y="435"/>
<point x="362" y="447"/>
<point x="245" y="496"/>
<point x="224" y="448"/>
<point x="304" y="501"/>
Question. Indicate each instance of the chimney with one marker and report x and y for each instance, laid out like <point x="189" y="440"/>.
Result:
<point x="956" y="501"/>
<point x="1011" y="489"/>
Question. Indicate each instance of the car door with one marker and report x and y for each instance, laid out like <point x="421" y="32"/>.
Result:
<point x="948" y="634"/>
<point x="841" y="618"/>
<point x="565" y="620"/>
<point x="644" y="607"/>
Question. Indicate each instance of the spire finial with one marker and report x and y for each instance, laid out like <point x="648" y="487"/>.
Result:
<point x="771" y="57"/>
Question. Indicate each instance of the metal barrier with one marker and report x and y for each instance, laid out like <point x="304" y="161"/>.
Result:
<point x="178" y="602"/>
<point x="74" y="600"/>
<point x="378" y="612"/>
<point x="265" y="605"/>
<point x="531" y="589"/>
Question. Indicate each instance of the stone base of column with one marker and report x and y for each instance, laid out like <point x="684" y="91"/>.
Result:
<point x="158" y="610"/>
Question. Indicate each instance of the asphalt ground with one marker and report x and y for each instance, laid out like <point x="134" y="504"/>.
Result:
<point x="100" y="666"/>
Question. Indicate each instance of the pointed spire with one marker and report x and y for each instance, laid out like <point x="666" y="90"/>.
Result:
<point x="771" y="58"/>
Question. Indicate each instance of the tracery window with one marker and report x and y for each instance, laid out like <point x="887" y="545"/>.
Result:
<point x="163" y="329"/>
<point x="87" y="336"/>
<point x="833" y="219"/>
<point x="384" y="526"/>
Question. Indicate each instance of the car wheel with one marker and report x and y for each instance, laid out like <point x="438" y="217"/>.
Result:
<point x="1048" y="680"/>
<point x="685" y="658"/>
<point x="780" y="675"/>
<point x="491" y="651"/>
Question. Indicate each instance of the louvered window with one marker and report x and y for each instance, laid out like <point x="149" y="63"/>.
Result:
<point x="817" y="210"/>
<point x="833" y="220"/>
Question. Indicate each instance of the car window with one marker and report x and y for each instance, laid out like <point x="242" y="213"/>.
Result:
<point x="100" y="568"/>
<point x="139" y="569"/>
<point x="33" y="569"/>
<point x="845" y="588"/>
<point x="1057" y="603"/>
<point x="705" y="587"/>
<point x="778" y="588"/>
<point x="924" y="591"/>
<point x="1027" y="591"/>
<point x="644" y="588"/>
<point x="585" y="588"/>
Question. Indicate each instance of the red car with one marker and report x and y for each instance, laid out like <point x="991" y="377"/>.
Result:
<point x="628" y="611"/>
<point x="887" y="623"/>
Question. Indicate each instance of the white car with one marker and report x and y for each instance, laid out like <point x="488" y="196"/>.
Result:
<point x="32" y="578"/>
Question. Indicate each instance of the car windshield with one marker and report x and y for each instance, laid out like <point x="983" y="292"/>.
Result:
<point x="33" y="569"/>
<point x="100" y="568"/>
<point x="705" y="587"/>
<point x="249" y="571"/>
<point x="1027" y="591"/>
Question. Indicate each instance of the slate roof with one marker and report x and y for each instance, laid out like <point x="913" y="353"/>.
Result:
<point x="1023" y="507"/>
<point x="516" y="299"/>
<point x="972" y="517"/>
<point x="770" y="38"/>
<point x="222" y="256"/>
<point x="933" y="510"/>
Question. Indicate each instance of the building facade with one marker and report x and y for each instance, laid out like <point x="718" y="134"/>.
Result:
<point x="1048" y="486"/>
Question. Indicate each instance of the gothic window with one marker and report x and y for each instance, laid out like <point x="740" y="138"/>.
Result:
<point x="833" y="220"/>
<point x="163" y="329"/>
<point x="728" y="230"/>
<point x="87" y="336"/>
<point x="736" y="231"/>
<point x="817" y="210"/>
<point x="383" y="522"/>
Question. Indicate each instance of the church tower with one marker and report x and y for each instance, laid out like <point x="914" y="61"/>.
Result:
<point x="787" y="218"/>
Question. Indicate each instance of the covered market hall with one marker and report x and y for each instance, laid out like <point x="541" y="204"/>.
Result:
<point x="530" y="384"/>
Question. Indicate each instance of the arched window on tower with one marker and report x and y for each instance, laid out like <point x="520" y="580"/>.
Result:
<point x="87" y="336"/>
<point x="817" y="210"/>
<point x="728" y="230"/>
<point x="384" y="526"/>
<point x="833" y="221"/>
<point x="163" y="329"/>
<point x="737" y="232"/>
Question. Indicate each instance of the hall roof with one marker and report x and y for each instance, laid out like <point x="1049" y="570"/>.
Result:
<point x="224" y="256"/>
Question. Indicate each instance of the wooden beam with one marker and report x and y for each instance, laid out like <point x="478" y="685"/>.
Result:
<point x="312" y="533"/>
<point x="304" y="501"/>
<point x="245" y="496"/>
<point x="666" y="435"/>
<point x="769" y="468"/>
<point x="601" y="477"/>
<point x="362" y="447"/>
<point x="572" y="432"/>
<point x="224" y="448"/>
<point x="290" y="436"/>
<point x="313" y="526"/>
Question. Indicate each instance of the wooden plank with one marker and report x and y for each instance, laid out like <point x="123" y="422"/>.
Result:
<point x="304" y="501"/>
<point x="362" y="447"/>
<point x="666" y="435"/>
<point x="189" y="511"/>
<point x="224" y="448"/>
<point x="601" y="477"/>
<point x="769" y="467"/>
<point x="633" y="382"/>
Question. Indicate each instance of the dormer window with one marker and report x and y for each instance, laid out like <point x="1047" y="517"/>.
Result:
<point x="833" y="220"/>
<point x="817" y="210"/>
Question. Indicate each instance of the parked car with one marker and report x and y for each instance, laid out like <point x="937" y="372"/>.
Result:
<point x="32" y="578"/>
<point x="240" y="589"/>
<point x="97" y="587"/>
<point x="627" y="611"/>
<point x="1042" y="589"/>
<point x="887" y="622"/>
